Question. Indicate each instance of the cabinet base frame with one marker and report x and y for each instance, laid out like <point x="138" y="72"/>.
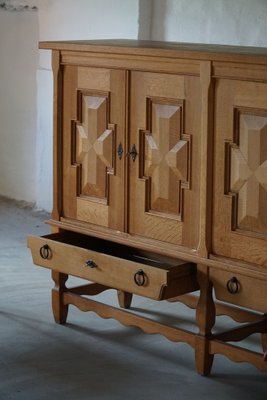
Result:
<point x="205" y="345"/>
<point x="211" y="344"/>
<point x="62" y="297"/>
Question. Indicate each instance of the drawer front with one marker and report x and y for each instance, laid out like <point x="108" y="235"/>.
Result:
<point x="240" y="289"/>
<point x="115" y="272"/>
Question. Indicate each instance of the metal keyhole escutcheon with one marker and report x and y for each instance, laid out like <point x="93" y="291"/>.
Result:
<point x="90" y="263"/>
<point x="133" y="153"/>
<point x="120" y="151"/>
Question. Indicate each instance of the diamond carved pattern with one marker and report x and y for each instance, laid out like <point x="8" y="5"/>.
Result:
<point x="94" y="139"/>
<point x="166" y="157"/>
<point x="248" y="173"/>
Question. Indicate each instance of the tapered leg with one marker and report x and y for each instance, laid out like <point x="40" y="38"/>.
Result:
<point x="204" y="360"/>
<point x="124" y="299"/>
<point x="60" y="310"/>
<point x="205" y="316"/>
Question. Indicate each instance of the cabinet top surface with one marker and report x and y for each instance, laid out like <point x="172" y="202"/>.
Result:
<point x="154" y="48"/>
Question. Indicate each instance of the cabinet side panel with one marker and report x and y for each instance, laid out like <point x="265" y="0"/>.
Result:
<point x="57" y="136"/>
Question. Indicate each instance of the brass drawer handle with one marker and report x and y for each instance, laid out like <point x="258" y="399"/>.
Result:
<point x="140" y="278"/>
<point x="233" y="285"/>
<point x="90" y="263"/>
<point x="45" y="252"/>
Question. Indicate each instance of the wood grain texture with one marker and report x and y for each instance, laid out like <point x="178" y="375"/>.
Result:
<point x="238" y="354"/>
<point x="236" y="313"/>
<point x="246" y="289"/>
<point x="129" y="319"/>
<point x="93" y="174"/>
<point x="190" y="51"/>
<point x="60" y="310"/>
<point x="248" y="172"/>
<point x="160" y="182"/>
<point x="124" y="299"/>
<point x="162" y="278"/>
<point x="206" y="160"/>
<point x="239" y="227"/>
<point x="57" y="136"/>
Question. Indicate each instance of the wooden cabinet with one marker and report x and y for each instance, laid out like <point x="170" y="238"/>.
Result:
<point x="160" y="186"/>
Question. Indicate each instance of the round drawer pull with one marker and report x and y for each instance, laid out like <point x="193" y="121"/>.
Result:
<point x="233" y="285"/>
<point x="45" y="252"/>
<point x="140" y="278"/>
<point x="90" y="263"/>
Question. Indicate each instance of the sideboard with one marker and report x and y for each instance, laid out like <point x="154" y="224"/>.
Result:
<point x="160" y="187"/>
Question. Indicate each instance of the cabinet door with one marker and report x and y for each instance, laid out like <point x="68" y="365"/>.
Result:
<point x="164" y="178"/>
<point x="240" y="171"/>
<point x="93" y="130"/>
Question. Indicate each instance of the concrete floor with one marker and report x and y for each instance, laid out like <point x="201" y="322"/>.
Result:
<point x="92" y="358"/>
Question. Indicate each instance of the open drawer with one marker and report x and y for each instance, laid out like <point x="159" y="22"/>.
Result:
<point x="114" y="265"/>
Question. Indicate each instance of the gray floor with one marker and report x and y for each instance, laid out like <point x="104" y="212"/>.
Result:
<point x="92" y="358"/>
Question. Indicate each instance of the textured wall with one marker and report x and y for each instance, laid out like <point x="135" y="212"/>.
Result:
<point x="18" y="5"/>
<point x="18" y="64"/>
<point x="239" y="22"/>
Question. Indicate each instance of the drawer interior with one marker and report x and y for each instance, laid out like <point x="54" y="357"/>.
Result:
<point x="118" y="250"/>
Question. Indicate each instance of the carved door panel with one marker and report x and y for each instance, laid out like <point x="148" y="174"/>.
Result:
<point x="240" y="171"/>
<point x="164" y="177"/>
<point x="93" y="129"/>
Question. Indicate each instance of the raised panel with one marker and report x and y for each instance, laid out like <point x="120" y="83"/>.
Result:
<point x="94" y="145"/>
<point x="240" y="171"/>
<point x="165" y="122"/>
<point x="247" y="158"/>
<point x="165" y="158"/>
<point x="93" y="124"/>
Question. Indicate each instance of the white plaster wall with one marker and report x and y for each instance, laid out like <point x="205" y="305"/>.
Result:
<point x="87" y="19"/>
<point x="239" y="22"/>
<point x="18" y="63"/>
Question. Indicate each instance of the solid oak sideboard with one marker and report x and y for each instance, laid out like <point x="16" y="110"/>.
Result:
<point x="160" y="186"/>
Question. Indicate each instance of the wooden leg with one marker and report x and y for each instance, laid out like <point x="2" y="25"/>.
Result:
<point x="204" y="360"/>
<point x="205" y="318"/>
<point x="124" y="299"/>
<point x="60" y="310"/>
